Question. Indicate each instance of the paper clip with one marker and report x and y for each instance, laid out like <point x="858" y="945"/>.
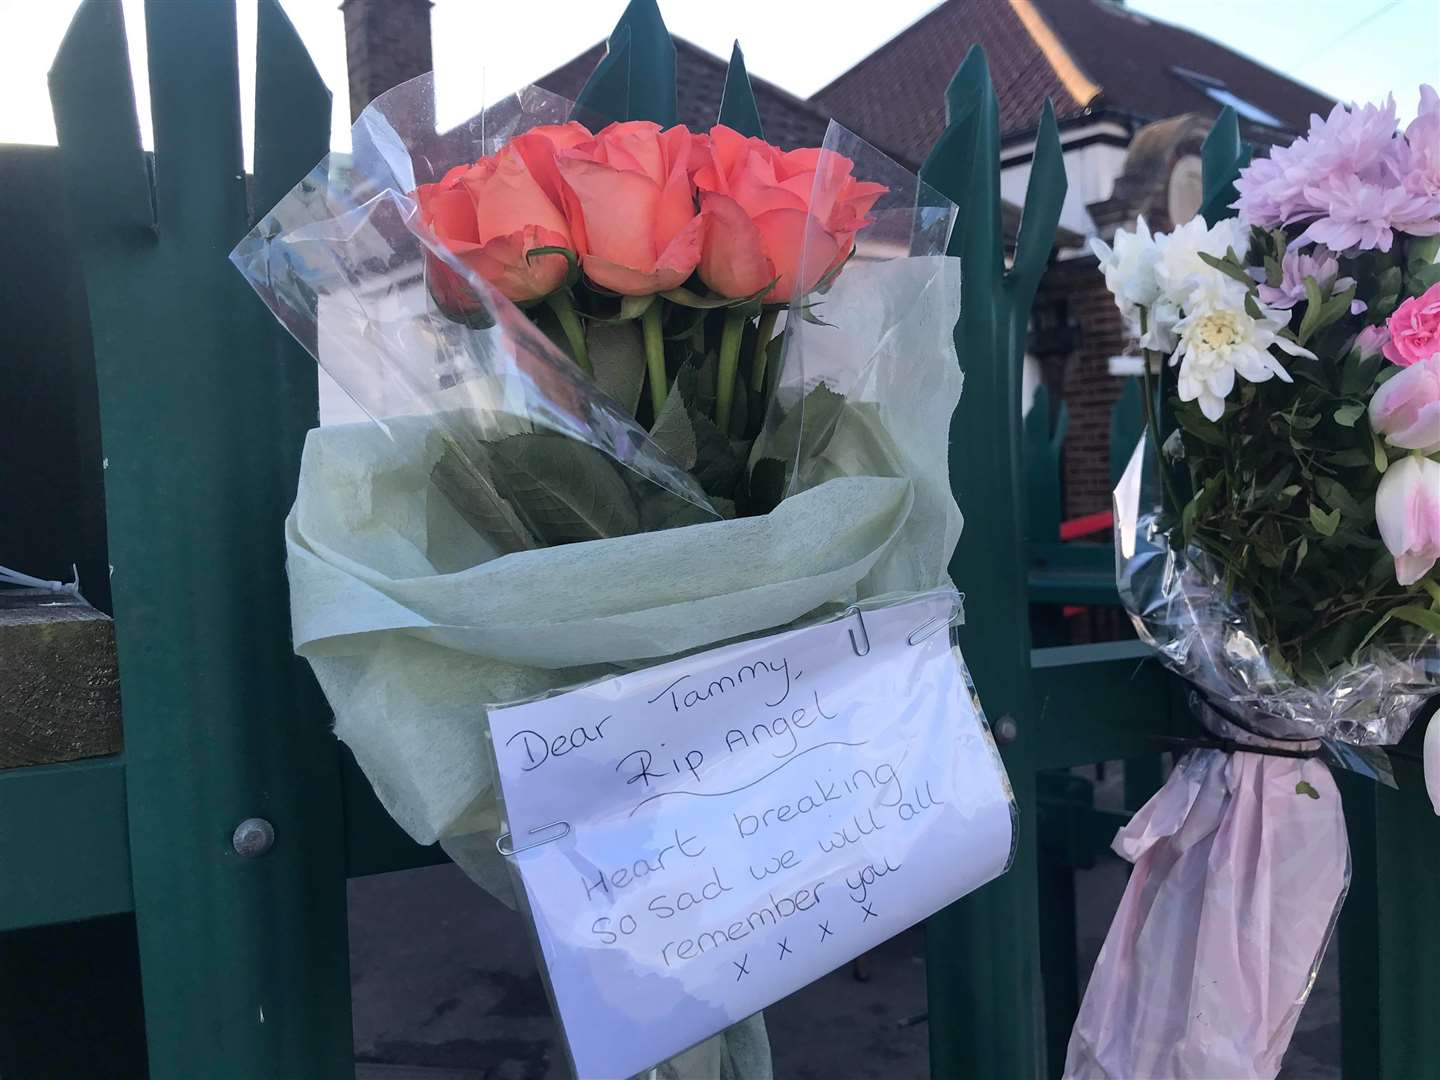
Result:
<point x="928" y="629"/>
<point x="861" y="645"/>
<point x="500" y="840"/>
<point x="933" y="626"/>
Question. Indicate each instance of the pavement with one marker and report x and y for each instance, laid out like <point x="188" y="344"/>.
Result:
<point x="445" y="988"/>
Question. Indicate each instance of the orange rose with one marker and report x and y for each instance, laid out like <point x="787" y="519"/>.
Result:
<point x="633" y="215"/>
<point x="768" y="211"/>
<point x="491" y="213"/>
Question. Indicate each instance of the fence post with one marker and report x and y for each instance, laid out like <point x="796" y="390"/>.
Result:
<point x="986" y="1010"/>
<point x="243" y="960"/>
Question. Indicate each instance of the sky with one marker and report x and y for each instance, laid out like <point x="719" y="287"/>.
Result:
<point x="1353" y="50"/>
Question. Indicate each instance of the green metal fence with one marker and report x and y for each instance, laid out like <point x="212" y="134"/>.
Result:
<point x="204" y="403"/>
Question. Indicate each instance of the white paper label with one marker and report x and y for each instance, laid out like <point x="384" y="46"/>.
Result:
<point x="743" y="821"/>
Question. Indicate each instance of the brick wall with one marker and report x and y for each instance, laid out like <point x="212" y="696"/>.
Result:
<point x="386" y="42"/>
<point x="1084" y="382"/>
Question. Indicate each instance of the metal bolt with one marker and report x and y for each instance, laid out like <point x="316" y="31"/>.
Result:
<point x="253" y="837"/>
<point x="1006" y="730"/>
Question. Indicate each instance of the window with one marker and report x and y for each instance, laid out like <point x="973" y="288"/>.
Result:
<point x="1218" y="92"/>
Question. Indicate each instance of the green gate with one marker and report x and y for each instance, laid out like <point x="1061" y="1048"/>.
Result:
<point x="204" y="404"/>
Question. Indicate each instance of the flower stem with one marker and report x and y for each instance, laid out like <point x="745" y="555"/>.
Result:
<point x="655" y="355"/>
<point x="560" y="303"/>
<point x="730" y="340"/>
<point x="1152" y="421"/>
<point x="762" y="348"/>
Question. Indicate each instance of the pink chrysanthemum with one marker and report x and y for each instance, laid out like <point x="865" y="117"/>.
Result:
<point x="1366" y="215"/>
<point x="1353" y="177"/>
<point x="1421" y="160"/>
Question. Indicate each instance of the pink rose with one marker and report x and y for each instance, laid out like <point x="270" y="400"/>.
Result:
<point x="1406" y="408"/>
<point x="633" y="209"/>
<point x="774" y="214"/>
<point x="1415" y="329"/>
<point x="493" y="213"/>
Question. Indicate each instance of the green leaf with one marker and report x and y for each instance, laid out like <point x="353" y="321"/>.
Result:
<point x="1314" y="304"/>
<point x="1274" y="272"/>
<point x="686" y="298"/>
<point x="1338" y="496"/>
<point x="807" y="427"/>
<point x="1304" y="787"/>
<point x="1325" y="524"/>
<point x="1301" y="551"/>
<point x="718" y="465"/>
<point x="1336" y="308"/>
<point x="662" y="509"/>
<point x="1359" y="374"/>
<point x="632" y="307"/>
<point x="1420" y="280"/>
<point x="617" y="356"/>
<point x="1388" y="281"/>
<point x="767" y="485"/>
<point x="1427" y="620"/>
<point x="1300" y="422"/>
<point x="475" y="498"/>
<point x="1194" y="423"/>
<point x="1349" y="458"/>
<point x="673" y="432"/>
<point x="1422" y="252"/>
<point x="1382" y="459"/>
<point x="1228" y="266"/>
<point x="565" y="490"/>
<point x="1433" y="588"/>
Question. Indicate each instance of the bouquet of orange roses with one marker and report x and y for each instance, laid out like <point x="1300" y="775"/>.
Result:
<point x="597" y="237"/>
<point x="637" y="391"/>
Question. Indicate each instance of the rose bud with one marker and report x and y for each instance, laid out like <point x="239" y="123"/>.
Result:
<point x="1406" y="408"/>
<point x="1371" y="340"/>
<point x="1407" y="509"/>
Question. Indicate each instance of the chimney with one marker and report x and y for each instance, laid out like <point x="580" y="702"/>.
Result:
<point x="386" y="42"/>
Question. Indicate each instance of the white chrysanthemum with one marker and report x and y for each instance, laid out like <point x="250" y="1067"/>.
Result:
<point x="1129" y="269"/>
<point x="1179" y="270"/>
<point x="1219" y="339"/>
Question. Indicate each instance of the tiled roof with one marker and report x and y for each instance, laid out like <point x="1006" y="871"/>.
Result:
<point x="895" y="97"/>
<point x="789" y="121"/>
<point x="1133" y="58"/>
<point x="1086" y="56"/>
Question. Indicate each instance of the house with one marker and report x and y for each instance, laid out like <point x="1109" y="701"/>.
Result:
<point x="1134" y="98"/>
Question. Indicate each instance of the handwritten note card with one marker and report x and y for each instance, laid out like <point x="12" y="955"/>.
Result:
<point x="743" y="821"/>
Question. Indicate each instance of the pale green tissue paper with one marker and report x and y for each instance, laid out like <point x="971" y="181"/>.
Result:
<point x="409" y="650"/>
